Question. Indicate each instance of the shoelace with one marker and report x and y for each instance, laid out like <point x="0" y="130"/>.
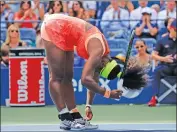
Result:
<point x="74" y="123"/>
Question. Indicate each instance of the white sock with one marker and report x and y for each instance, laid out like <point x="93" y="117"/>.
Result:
<point x="63" y="111"/>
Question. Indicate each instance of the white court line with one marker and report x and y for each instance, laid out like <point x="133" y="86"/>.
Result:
<point x="149" y="123"/>
<point x="103" y="126"/>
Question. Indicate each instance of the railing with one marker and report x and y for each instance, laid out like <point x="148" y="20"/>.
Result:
<point x="91" y="20"/>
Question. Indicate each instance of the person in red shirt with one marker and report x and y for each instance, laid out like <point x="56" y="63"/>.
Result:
<point x="25" y="14"/>
<point x="60" y="33"/>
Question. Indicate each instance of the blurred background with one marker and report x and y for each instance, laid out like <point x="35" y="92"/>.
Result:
<point x="26" y="84"/>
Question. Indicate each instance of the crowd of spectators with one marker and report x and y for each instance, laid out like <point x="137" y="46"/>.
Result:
<point x="125" y="12"/>
<point x="150" y="19"/>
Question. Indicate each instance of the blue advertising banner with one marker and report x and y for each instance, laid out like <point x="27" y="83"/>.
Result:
<point x="80" y="90"/>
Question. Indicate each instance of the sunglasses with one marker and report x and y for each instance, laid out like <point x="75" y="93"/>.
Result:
<point x="137" y="47"/>
<point x="14" y="31"/>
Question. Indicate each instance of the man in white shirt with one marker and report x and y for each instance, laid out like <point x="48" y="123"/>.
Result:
<point x="136" y="14"/>
<point x="118" y="17"/>
<point x="169" y="12"/>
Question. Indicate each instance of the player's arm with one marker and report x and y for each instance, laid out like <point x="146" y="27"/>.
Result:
<point x="95" y="51"/>
<point x="91" y="94"/>
<point x="90" y="98"/>
<point x="157" y="57"/>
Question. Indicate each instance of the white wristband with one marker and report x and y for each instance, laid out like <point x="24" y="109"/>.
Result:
<point x="88" y="106"/>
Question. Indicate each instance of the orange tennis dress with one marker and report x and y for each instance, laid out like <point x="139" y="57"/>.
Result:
<point x="66" y="32"/>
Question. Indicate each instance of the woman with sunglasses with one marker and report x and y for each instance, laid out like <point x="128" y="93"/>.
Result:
<point x="12" y="41"/>
<point x="60" y="33"/>
<point x="13" y="37"/>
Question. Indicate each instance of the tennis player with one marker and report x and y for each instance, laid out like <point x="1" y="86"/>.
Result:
<point x="60" y="33"/>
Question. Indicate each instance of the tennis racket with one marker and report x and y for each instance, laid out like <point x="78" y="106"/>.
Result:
<point x="128" y="53"/>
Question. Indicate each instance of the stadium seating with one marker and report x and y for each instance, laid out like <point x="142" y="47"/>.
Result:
<point x="1" y="42"/>
<point x="3" y="34"/>
<point x="161" y="32"/>
<point x="28" y="42"/>
<point x="117" y="46"/>
<point x="115" y="33"/>
<point x="28" y="34"/>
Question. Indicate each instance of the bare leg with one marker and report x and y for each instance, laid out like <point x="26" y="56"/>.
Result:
<point x="61" y="74"/>
<point x="55" y="58"/>
<point x="67" y="87"/>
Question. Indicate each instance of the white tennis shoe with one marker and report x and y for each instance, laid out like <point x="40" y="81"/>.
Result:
<point x="86" y="123"/>
<point x="71" y="125"/>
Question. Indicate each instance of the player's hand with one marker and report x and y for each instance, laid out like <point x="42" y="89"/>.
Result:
<point x="88" y="113"/>
<point x="116" y="94"/>
<point x="168" y="59"/>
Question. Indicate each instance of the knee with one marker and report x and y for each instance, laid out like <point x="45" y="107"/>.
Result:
<point x="62" y="80"/>
<point x="54" y="82"/>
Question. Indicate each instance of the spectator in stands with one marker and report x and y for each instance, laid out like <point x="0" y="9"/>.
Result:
<point x="143" y="56"/>
<point x="4" y="56"/>
<point x="70" y="12"/>
<point x="6" y="15"/>
<point x="162" y="5"/>
<point x="90" y="8"/>
<point x="87" y="16"/>
<point x="128" y="5"/>
<point x="55" y="7"/>
<point x="165" y="52"/>
<point x="26" y="13"/>
<point x="145" y="28"/>
<point x="13" y="37"/>
<point x="78" y="9"/>
<point x="38" y="9"/>
<point x="117" y="18"/>
<point x="169" y="12"/>
<point x="65" y="7"/>
<point x="168" y="22"/>
<point x="156" y="7"/>
<point x="136" y="15"/>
